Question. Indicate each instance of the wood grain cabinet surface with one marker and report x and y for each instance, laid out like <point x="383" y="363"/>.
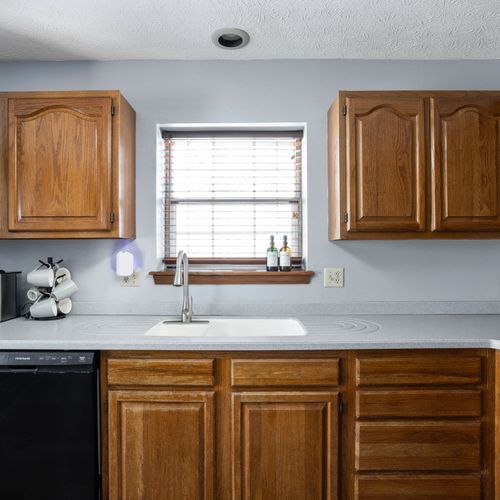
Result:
<point x="285" y="372"/>
<point x="421" y="425"/>
<point x="465" y="142"/>
<point x="351" y="425"/>
<point x="285" y="445"/>
<point x="419" y="487"/>
<point x="385" y="164"/>
<point x="67" y="165"/>
<point x="411" y="164"/>
<point x="161" y="445"/>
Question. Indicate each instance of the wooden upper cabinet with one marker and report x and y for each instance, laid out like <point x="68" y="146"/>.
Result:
<point x="71" y="165"/>
<point x="60" y="164"/>
<point x="385" y="167"/>
<point x="465" y="134"/>
<point x="414" y="164"/>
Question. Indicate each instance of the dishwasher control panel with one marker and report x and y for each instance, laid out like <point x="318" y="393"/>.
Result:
<point x="41" y="358"/>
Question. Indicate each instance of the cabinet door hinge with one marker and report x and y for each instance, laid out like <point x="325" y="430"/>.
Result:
<point x="113" y="110"/>
<point x="341" y="406"/>
<point x="344" y="109"/>
<point x="346" y="217"/>
<point x="112" y="217"/>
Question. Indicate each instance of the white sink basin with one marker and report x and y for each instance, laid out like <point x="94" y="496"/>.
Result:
<point x="229" y="327"/>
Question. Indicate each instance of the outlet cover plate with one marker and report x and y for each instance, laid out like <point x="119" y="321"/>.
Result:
<point x="131" y="281"/>
<point x="333" y="277"/>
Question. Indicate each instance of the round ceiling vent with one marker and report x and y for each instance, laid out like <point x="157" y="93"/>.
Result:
<point x="230" y="38"/>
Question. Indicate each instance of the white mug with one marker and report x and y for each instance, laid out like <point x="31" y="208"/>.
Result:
<point x="65" y="306"/>
<point x="44" y="308"/>
<point x="64" y="289"/>
<point x="62" y="274"/>
<point x="33" y="294"/>
<point x="41" y="277"/>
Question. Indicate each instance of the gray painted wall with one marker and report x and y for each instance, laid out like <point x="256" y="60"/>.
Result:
<point x="264" y="91"/>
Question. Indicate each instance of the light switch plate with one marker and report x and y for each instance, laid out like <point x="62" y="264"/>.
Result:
<point x="333" y="277"/>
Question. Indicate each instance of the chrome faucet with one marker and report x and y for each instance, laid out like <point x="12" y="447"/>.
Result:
<point x="181" y="278"/>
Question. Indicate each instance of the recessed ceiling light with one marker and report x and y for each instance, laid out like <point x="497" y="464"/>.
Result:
<point x="230" y="38"/>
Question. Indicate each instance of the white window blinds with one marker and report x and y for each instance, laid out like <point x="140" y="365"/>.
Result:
<point x="226" y="193"/>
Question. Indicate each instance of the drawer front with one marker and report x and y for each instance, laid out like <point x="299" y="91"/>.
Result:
<point x="418" y="446"/>
<point x="185" y="372"/>
<point x="284" y="372"/>
<point x="419" y="404"/>
<point x="418" y="370"/>
<point x="442" y="487"/>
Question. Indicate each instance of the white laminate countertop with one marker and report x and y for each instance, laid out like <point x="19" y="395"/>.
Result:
<point x="108" y="332"/>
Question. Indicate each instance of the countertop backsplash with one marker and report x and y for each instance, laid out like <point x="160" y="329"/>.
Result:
<point x="289" y="308"/>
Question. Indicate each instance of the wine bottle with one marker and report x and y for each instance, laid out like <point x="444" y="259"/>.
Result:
<point x="285" y="256"/>
<point x="272" y="256"/>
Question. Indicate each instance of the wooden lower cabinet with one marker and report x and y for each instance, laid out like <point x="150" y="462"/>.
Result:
<point x="351" y="425"/>
<point x="419" y="425"/>
<point x="161" y="445"/>
<point x="285" y="445"/>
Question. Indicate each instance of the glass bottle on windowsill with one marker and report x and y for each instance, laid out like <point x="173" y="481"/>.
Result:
<point x="285" y="256"/>
<point x="272" y="256"/>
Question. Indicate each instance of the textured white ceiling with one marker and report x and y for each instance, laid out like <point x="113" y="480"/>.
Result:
<point x="181" y="29"/>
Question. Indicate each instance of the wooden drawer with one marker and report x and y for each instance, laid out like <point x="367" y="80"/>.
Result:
<point x="284" y="372"/>
<point x="449" y="487"/>
<point x="418" y="446"/>
<point x="418" y="370"/>
<point x="418" y="403"/>
<point x="143" y="371"/>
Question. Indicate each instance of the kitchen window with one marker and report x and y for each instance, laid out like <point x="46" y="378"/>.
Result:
<point x="225" y="192"/>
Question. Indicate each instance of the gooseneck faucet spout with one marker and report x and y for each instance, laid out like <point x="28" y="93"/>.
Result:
<point x="181" y="278"/>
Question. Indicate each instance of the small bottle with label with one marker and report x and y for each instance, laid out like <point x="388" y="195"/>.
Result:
<point x="285" y="256"/>
<point x="272" y="256"/>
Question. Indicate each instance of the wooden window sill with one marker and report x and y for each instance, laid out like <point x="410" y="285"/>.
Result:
<point x="241" y="277"/>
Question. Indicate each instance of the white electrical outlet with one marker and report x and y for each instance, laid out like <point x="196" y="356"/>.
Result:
<point x="132" y="280"/>
<point x="333" y="277"/>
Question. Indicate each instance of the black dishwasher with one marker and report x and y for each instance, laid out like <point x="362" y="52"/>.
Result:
<point x="49" y="429"/>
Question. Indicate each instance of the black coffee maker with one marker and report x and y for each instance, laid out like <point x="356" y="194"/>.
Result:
<point x="10" y="289"/>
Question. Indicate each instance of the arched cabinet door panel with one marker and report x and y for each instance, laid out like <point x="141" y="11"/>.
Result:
<point x="60" y="164"/>
<point x="465" y="138"/>
<point x="385" y="163"/>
